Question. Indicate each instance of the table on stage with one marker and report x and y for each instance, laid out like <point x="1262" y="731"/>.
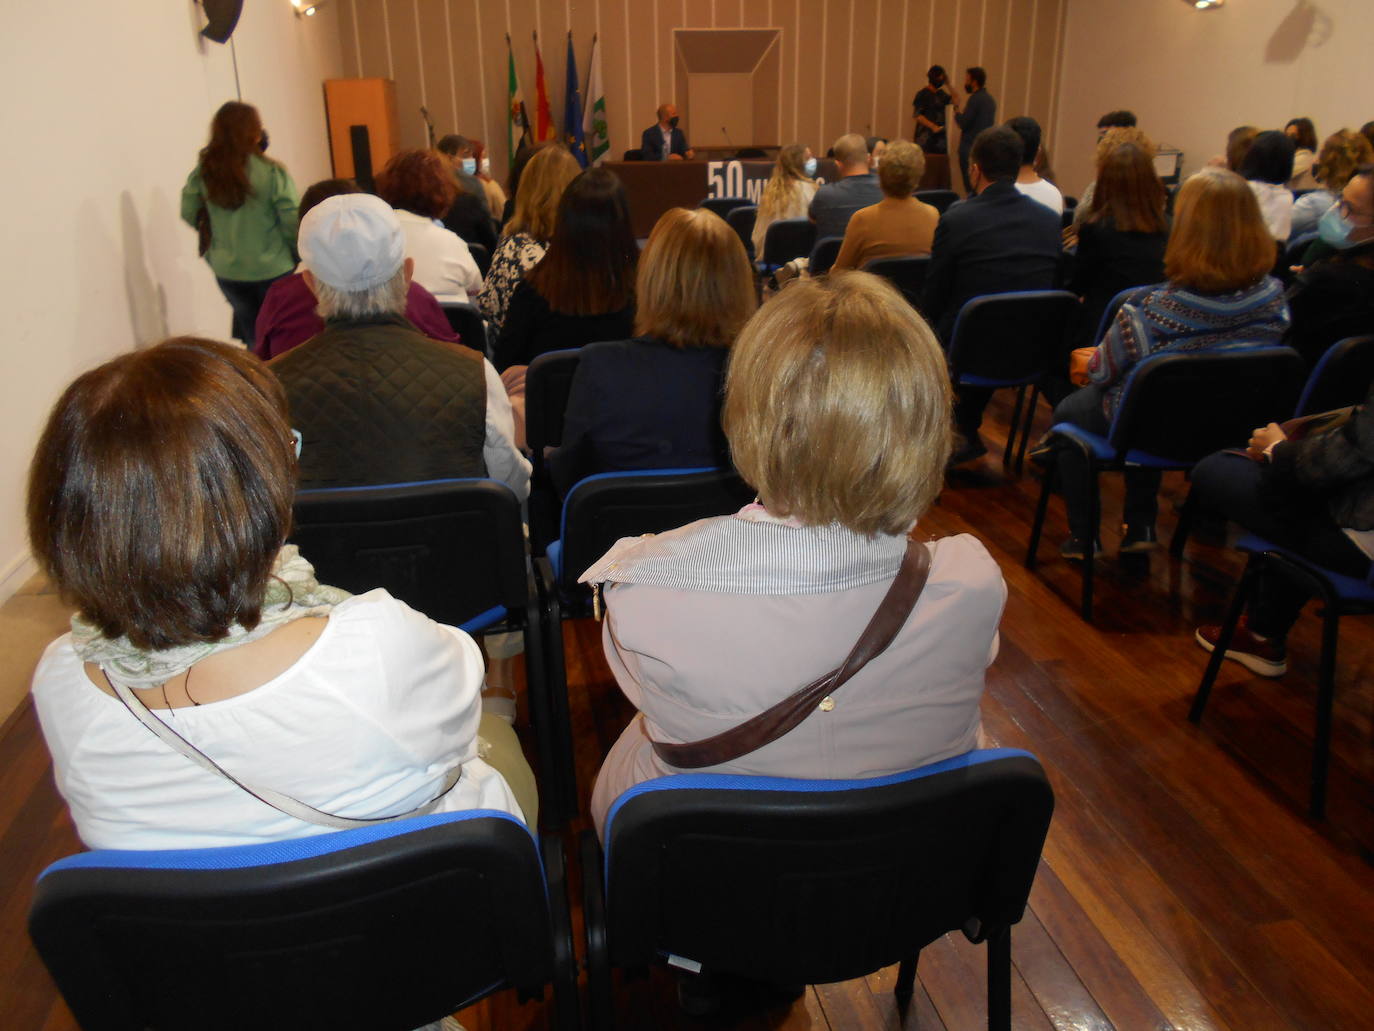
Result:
<point x="652" y="187"/>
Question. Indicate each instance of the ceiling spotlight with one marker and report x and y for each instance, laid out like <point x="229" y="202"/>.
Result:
<point x="306" y="9"/>
<point x="1204" y="5"/>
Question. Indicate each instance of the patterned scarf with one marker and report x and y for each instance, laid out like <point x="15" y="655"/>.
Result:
<point x="292" y="593"/>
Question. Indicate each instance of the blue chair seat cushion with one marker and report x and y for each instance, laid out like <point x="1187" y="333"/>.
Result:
<point x="1348" y="588"/>
<point x="554" y="551"/>
<point x="992" y="383"/>
<point x="1102" y="451"/>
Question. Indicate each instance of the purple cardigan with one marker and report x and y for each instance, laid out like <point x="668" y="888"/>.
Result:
<point x="287" y="317"/>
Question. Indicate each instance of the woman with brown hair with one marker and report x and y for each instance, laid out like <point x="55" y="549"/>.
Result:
<point x="1219" y="294"/>
<point x="788" y="192"/>
<point x="837" y="408"/>
<point x="1107" y="142"/>
<point x="1304" y="136"/>
<point x="159" y="503"/>
<point x="582" y="290"/>
<point x="421" y="189"/>
<point x="654" y="402"/>
<point x="248" y="203"/>
<point x="526" y="236"/>
<point x="1122" y="238"/>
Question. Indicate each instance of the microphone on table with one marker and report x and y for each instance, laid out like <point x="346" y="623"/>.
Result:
<point x="728" y="143"/>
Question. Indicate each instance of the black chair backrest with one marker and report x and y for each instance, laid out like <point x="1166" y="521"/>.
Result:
<point x="741" y="220"/>
<point x="940" y="200"/>
<point x="1292" y="254"/>
<point x="482" y="256"/>
<point x="1342" y="377"/>
<point x="722" y="206"/>
<point x="1186" y="405"/>
<point x="907" y="274"/>
<point x="788" y="238"/>
<point x="548" y="382"/>
<point x="823" y="885"/>
<point x="750" y="154"/>
<point x="1013" y="336"/>
<point x="1066" y="218"/>
<point x="633" y="155"/>
<point x="1070" y="202"/>
<point x="361" y="935"/>
<point x="467" y="322"/>
<point x="452" y="549"/>
<point x="601" y="509"/>
<point x="823" y="255"/>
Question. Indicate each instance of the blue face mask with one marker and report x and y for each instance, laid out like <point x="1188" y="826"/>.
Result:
<point x="469" y="166"/>
<point x="1335" y="229"/>
<point x="811" y="165"/>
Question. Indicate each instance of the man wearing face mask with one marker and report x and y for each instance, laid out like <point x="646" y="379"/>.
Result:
<point x="928" y="108"/>
<point x="1333" y="298"/>
<point x="664" y="141"/>
<point x="471" y="215"/>
<point x="980" y="114"/>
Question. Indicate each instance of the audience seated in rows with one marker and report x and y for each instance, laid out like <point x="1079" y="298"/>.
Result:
<point x="837" y="411"/>
<point x="1314" y="496"/>
<point x="788" y="192"/>
<point x="159" y="503"/>
<point x="654" y="402"/>
<point x="288" y="316"/>
<point x="1304" y="136"/>
<point x="470" y="213"/>
<point x="855" y="187"/>
<point x="995" y="241"/>
<point x="1219" y="294"/>
<point x="1342" y="153"/>
<point x="421" y="190"/>
<point x="1268" y="165"/>
<point x="374" y="399"/>
<point x="526" y="236"/>
<point x="1334" y="298"/>
<point x="1122" y="237"/>
<point x="1028" y="180"/>
<point x="582" y="290"/>
<point x="897" y="225"/>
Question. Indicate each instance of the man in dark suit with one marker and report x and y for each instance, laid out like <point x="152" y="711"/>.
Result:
<point x="664" y="141"/>
<point x="997" y="240"/>
<point x="980" y="114"/>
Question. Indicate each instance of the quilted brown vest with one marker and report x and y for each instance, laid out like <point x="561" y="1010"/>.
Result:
<point x="378" y="402"/>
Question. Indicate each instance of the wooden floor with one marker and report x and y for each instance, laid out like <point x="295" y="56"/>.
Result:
<point x="1182" y="886"/>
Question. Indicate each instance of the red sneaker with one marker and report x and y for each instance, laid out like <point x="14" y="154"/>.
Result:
<point x="1266" y="658"/>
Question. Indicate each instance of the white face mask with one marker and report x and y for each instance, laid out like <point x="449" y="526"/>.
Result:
<point x="486" y="166"/>
<point x="810" y="167"/>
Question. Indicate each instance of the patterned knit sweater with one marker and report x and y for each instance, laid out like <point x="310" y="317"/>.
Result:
<point x="1175" y="319"/>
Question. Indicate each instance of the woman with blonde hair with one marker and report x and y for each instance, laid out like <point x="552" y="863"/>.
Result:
<point x="1341" y="154"/>
<point x="897" y="225"/>
<point x="838" y="411"/>
<point x="526" y="236"/>
<point x="654" y="402"/>
<point x="788" y="192"/>
<point x="1219" y="295"/>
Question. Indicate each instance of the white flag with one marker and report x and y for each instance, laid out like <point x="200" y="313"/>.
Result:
<point x="594" y="116"/>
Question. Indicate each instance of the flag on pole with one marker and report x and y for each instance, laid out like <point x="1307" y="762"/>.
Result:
<point x="518" y="125"/>
<point x="543" y="120"/>
<point x="572" y="110"/>
<point x="596" y="136"/>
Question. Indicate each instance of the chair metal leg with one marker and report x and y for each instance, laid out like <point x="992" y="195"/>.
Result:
<point x="556" y="756"/>
<point x="1326" y="694"/>
<point x="1051" y="470"/>
<point x="999" y="980"/>
<point x="1090" y="545"/>
<point x="567" y="1005"/>
<point x="601" y="1004"/>
<point x="538" y="684"/>
<point x="1026" y="429"/>
<point x="1184" y="526"/>
<point x="1015" y="422"/>
<point x="1228" y="631"/>
<point x="906" y="979"/>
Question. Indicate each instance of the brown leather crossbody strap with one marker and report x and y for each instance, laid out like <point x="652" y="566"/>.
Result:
<point x="779" y="719"/>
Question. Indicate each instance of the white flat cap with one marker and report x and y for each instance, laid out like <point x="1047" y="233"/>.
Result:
<point x="352" y="242"/>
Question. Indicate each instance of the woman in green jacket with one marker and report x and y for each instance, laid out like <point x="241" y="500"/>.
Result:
<point x="250" y="202"/>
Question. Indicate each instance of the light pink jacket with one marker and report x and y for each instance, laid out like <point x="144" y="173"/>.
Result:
<point x="697" y="662"/>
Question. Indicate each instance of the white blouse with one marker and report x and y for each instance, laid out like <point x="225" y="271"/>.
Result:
<point x="1276" y="206"/>
<point x="366" y="723"/>
<point x="443" y="264"/>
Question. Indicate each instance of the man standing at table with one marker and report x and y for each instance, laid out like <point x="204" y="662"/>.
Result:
<point x="980" y="114"/>
<point x="664" y="141"/>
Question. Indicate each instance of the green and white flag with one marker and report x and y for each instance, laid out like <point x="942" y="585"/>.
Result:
<point x="518" y="126"/>
<point x="594" y="116"/>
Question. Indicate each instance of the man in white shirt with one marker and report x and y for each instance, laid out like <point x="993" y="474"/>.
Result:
<point x="1028" y="181"/>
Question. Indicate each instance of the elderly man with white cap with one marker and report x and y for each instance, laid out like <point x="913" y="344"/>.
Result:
<point x="375" y="400"/>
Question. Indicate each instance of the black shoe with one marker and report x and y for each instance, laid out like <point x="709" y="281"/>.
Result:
<point x="1074" y="548"/>
<point x="1138" y="540"/>
<point x="967" y="452"/>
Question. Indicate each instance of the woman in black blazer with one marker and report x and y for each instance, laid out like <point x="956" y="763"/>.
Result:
<point x="654" y="402"/>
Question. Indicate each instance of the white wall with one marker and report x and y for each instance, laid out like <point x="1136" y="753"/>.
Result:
<point x="106" y="106"/>
<point x="1192" y="76"/>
